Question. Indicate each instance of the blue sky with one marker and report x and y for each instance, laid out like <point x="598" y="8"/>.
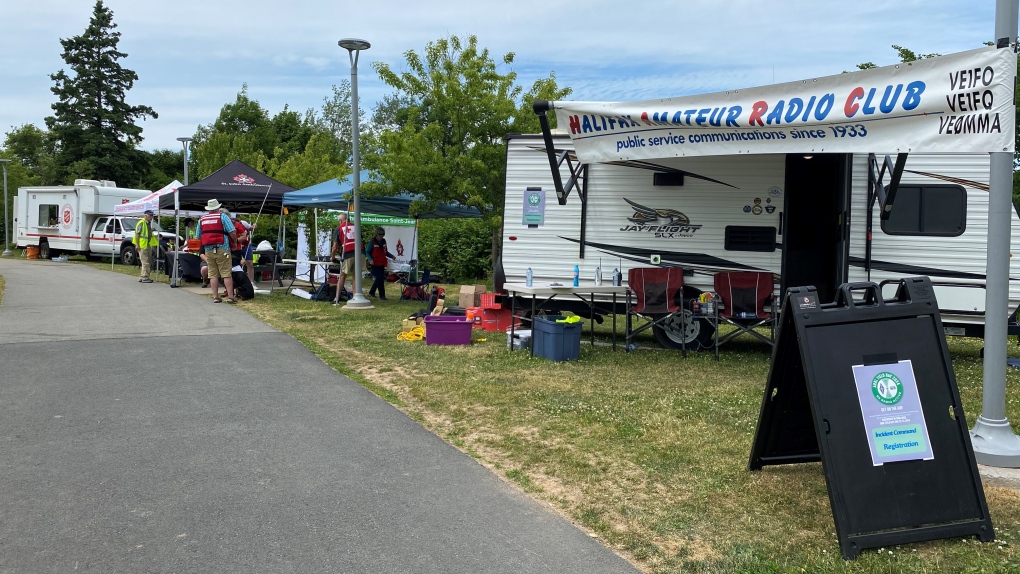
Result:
<point x="193" y="56"/>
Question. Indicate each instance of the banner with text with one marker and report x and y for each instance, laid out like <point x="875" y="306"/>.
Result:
<point x="956" y="103"/>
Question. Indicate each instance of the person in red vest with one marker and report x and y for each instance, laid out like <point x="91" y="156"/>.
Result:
<point x="377" y="254"/>
<point x="344" y="249"/>
<point x="217" y="234"/>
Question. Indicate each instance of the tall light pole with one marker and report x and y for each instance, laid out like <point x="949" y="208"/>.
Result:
<point x="354" y="47"/>
<point x="993" y="439"/>
<point x="186" y="142"/>
<point x="7" y="221"/>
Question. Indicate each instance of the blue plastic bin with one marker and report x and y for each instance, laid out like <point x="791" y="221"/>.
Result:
<point x="556" y="341"/>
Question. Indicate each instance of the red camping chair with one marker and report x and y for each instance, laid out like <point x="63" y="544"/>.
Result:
<point x="657" y="290"/>
<point x="416" y="290"/>
<point x="744" y="294"/>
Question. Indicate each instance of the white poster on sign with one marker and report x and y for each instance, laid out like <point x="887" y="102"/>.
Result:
<point x="956" y="103"/>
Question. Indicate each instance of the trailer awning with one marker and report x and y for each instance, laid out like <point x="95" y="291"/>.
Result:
<point x="957" y="103"/>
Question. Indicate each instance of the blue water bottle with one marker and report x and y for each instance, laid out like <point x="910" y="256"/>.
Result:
<point x="528" y="277"/>
<point x="577" y="276"/>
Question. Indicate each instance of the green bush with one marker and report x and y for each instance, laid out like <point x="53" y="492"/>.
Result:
<point x="458" y="249"/>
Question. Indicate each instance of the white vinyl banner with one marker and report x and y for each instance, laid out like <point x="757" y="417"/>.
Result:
<point x="956" y="103"/>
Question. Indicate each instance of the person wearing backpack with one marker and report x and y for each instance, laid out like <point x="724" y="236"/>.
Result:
<point x="377" y="254"/>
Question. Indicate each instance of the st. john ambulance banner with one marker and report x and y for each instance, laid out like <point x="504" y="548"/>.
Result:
<point x="957" y="103"/>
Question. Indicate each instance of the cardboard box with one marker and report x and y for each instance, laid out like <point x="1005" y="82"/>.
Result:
<point x="408" y="324"/>
<point x="470" y="295"/>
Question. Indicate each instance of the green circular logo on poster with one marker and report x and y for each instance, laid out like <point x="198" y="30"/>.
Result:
<point x="887" y="388"/>
<point x="534" y="199"/>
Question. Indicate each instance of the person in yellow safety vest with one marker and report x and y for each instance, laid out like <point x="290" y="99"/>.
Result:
<point x="144" y="241"/>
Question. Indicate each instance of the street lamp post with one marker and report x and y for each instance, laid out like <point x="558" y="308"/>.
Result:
<point x="7" y="221"/>
<point x="185" y="141"/>
<point x="354" y="47"/>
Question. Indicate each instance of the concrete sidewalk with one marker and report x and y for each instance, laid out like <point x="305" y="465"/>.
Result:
<point x="146" y="429"/>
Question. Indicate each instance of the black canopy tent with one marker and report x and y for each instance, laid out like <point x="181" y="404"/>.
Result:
<point x="237" y="185"/>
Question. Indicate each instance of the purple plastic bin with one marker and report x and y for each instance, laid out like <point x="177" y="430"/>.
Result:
<point x="447" y="330"/>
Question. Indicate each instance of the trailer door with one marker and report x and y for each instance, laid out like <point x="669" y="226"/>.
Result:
<point x="815" y="222"/>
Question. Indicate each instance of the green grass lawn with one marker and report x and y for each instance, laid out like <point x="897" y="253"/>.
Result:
<point x="646" y="451"/>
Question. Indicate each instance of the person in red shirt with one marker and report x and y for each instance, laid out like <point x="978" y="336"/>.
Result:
<point x="377" y="256"/>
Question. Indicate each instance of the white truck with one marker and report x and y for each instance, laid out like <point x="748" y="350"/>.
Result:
<point x="809" y="219"/>
<point x="78" y="219"/>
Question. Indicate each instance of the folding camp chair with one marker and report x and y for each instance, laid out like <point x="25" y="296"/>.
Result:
<point x="743" y="295"/>
<point x="416" y="290"/>
<point x="656" y="290"/>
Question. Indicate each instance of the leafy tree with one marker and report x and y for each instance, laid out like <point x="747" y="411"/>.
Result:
<point x="35" y="150"/>
<point x="336" y="119"/>
<point x="318" y="163"/>
<point x="92" y="122"/>
<point x="19" y="174"/>
<point x="292" y="132"/>
<point x="245" y="120"/>
<point x="456" y="249"/>
<point x="165" y="165"/>
<point x="449" y="146"/>
<point x="905" y="55"/>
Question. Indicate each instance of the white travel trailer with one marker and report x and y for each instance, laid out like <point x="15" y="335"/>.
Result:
<point x="807" y="218"/>
<point x="76" y="219"/>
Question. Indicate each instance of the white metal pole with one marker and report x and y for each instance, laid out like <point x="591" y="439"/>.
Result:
<point x="995" y="443"/>
<point x="354" y="47"/>
<point x="7" y="221"/>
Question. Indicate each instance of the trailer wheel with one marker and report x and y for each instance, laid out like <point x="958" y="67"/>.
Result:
<point x="128" y="255"/>
<point x="696" y="334"/>
<point x="44" y="249"/>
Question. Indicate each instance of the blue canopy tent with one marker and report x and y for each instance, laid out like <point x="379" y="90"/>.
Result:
<point x="337" y="194"/>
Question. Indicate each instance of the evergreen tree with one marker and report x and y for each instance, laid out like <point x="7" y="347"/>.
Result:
<point x="93" y="127"/>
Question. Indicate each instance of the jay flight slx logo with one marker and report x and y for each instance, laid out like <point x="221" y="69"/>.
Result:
<point x="663" y="223"/>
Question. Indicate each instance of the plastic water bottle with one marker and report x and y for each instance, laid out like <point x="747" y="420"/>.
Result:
<point x="598" y="275"/>
<point x="528" y="277"/>
<point x="617" y="277"/>
<point x="577" y="275"/>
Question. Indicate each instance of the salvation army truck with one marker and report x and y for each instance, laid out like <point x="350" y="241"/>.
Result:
<point x="76" y="219"/>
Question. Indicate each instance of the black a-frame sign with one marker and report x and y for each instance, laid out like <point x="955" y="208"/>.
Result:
<point x="867" y="387"/>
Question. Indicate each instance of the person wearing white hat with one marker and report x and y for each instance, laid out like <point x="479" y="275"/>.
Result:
<point x="217" y="233"/>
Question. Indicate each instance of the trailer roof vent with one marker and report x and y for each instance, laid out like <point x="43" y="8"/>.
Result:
<point x="88" y="182"/>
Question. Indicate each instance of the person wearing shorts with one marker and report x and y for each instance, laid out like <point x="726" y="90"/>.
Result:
<point x="343" y="250"/>
<point x="219" y="233"/>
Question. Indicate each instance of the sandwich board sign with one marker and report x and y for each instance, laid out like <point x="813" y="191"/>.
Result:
<point x="865" y="386"/>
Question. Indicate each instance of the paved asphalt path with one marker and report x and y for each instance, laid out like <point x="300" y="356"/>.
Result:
<point x="146" y="429"/>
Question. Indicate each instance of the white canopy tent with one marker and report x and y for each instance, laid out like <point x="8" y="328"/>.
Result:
<point x="149" y="202"/>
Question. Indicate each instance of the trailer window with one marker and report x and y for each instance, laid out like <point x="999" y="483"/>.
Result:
<point x="750" y="238"/>
<point x="47" y="215"/>
<point x="939" y="210"/>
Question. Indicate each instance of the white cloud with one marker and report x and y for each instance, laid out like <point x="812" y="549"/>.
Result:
<point x="193" y="56"/>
